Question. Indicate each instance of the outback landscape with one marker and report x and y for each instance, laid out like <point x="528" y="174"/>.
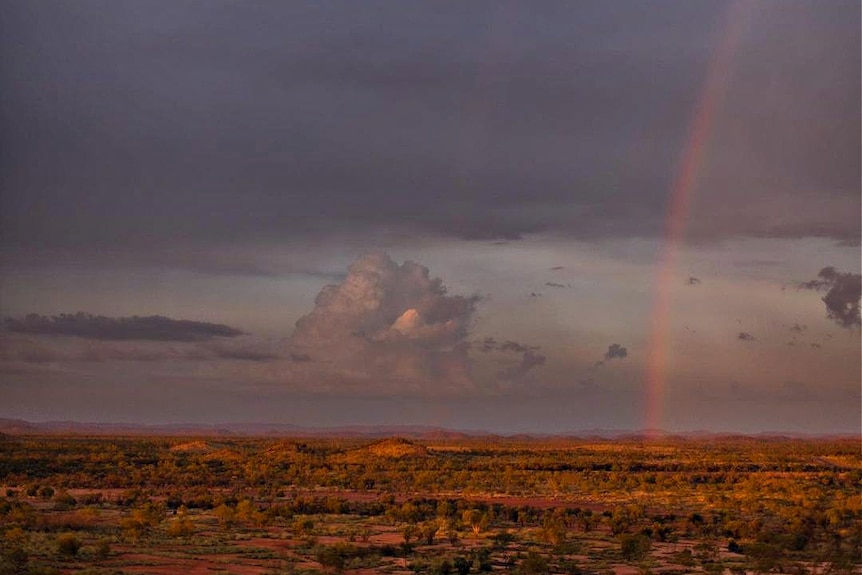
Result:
<point x="430" y="288"/>
<point x="438" y="505"/>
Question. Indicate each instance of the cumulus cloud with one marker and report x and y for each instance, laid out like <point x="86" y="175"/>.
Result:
<point x="153" y="328"/>
<point x="843" y="290"/>
<point x="380" y="300"/>
<point x="388" y="322"/>
<point x="395" y="328"/>
<point x="615" y="351"/>
<point x="745" y="336"/>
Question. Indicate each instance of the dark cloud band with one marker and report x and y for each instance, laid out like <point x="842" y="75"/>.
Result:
<point x="155" y="328"/>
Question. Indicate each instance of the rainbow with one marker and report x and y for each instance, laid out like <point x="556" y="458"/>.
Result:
<point x="684" y="183"/>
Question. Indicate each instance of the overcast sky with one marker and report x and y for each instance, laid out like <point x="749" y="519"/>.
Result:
<point x="489" y="215"/>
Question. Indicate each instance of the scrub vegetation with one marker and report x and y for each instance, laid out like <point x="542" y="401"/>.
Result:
<point x="441" y="506"/>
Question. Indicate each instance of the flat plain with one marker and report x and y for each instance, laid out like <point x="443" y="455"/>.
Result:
<point x="429" y="505"/>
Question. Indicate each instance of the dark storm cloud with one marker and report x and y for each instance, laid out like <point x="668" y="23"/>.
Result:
<point x="217" y="123"/>
<point x="615" y="351"/>
<point x="156" y="328"/>
<point x="843" y="292"/>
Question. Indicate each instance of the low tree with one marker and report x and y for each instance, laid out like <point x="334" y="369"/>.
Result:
<point x="142" y="520"/>
<point x="462" y="565"/>
<point x="554" y="529"/>
<point x="475" y="519"/>
<point x="330" y="558"/>
<point x="533" y="564"/>
<point x="410" y="532"/>
<point x="429" y="531"/>
<point x="103" y="549"/>
<point x="182" y="526"/>
<point x="68" y="544"/>
<point x="13" y="558"/>
<point x="441" y="566"/>
<point x="634" y="547"/>
<point x="766" y="557"/>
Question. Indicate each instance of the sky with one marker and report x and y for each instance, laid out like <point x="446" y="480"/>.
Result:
<point x="484" y="215"/>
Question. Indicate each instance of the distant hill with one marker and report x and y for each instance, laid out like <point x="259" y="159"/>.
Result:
<point x="396" y="448"/>
<point x="22" y="427"/>
<point x="15" y="427"/>
<point x="389" y="448"/>
<point x="193" y="447"/>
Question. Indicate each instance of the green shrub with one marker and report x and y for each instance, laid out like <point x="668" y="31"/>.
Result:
<point x="462" y="565"/>
<point x="533" y="564"/>
<point x="68" y="544"/>
<point x="635" y="547"/>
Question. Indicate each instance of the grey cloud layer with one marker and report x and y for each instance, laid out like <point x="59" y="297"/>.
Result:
<point x="82" y="337"/>
<point x="156" y="328"/>
<point x="235" y="123"/>
<point x="17" y="348"/>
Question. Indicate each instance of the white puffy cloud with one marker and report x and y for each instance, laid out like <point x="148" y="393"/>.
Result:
<point x="387" y="324"/>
